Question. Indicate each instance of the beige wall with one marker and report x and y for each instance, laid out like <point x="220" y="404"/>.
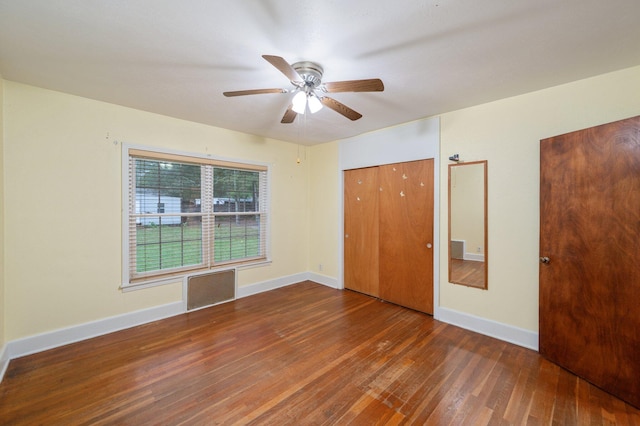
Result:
<point x="62" y="200"/>
<point x="2" y="204"/>
<point x="507" y="134"/>
<point x="324" y="210"/>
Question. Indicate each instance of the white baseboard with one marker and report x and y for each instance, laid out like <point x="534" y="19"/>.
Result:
<point x="322" y="279"/>
<point x="4" y="361"/>
<point x="474" y="256"/>
<point x="508" y="333"/>
<point x="261" y="287"/>
<point x="76" y="333"/>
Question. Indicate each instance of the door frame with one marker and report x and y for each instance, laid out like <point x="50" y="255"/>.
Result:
<point x="418" y="140"/>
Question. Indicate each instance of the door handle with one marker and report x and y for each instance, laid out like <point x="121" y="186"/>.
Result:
<point x="545" y="260"/>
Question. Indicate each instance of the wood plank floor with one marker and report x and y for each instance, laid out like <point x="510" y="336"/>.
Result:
<point x="469" y="272"/>
<point x="304" y="354"/>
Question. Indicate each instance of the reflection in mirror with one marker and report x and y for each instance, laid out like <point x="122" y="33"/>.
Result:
<point x="468" y="257"/>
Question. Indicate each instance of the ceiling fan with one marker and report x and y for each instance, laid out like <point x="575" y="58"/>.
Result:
<point x="306" y="78"/>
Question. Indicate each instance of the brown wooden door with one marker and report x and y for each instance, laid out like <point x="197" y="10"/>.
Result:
<point x="406" y="234"/>
<point x="590" y="233"/>
<point x="361" y="230"/>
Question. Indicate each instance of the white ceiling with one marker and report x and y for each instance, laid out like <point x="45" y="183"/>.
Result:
<point x="177" y="57"/>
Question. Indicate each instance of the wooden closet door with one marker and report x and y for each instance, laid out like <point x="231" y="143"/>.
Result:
<point x="590" y="249"/>
<point x="361" y="230"/>
<point x="406" y="234"/>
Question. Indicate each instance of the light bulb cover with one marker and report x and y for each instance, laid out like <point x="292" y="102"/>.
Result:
<point x="314" y="104"/>
<point x="299" y="102"/>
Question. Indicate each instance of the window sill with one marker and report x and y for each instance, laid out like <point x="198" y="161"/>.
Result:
<point x="178" y="279"/>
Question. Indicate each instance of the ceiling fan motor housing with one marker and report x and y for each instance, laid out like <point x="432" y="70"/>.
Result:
<point x="311" y="73"/>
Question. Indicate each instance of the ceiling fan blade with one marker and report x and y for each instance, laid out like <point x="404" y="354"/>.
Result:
<point x="283" y="66"/>
<point x="289" y="115"/>
<point x="340" y="108"/>
<point x="370" y="85"/>
<point x="253" y="92"/>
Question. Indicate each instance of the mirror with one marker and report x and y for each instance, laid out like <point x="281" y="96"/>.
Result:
<point x="468" y="258"/>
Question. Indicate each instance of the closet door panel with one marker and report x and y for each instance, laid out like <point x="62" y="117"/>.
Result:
<point x="406" y="234"/>
<point x="361" y="230"/>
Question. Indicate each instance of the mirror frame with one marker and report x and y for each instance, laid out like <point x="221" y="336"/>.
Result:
<point x="484" y="285"/>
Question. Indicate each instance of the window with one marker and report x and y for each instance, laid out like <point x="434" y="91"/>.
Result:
<point x="187" y="213"/>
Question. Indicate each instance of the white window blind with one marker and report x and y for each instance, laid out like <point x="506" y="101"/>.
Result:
<point x="190" y="214"/>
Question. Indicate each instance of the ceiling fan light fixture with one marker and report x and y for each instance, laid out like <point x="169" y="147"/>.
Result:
<point x="299" y="102"/>
<point x="314" y="104"/>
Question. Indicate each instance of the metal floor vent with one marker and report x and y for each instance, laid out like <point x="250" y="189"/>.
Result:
<point x="210" y="289"/>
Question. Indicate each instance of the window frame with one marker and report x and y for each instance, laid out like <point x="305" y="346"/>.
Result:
<point x="178" y="274"/>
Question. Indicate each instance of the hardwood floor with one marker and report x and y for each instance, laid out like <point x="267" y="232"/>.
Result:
<point x="304" y="354"/>
<point x="469" y="272"/>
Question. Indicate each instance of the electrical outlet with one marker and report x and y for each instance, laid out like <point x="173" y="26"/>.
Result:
<point x="320" y="266"/>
